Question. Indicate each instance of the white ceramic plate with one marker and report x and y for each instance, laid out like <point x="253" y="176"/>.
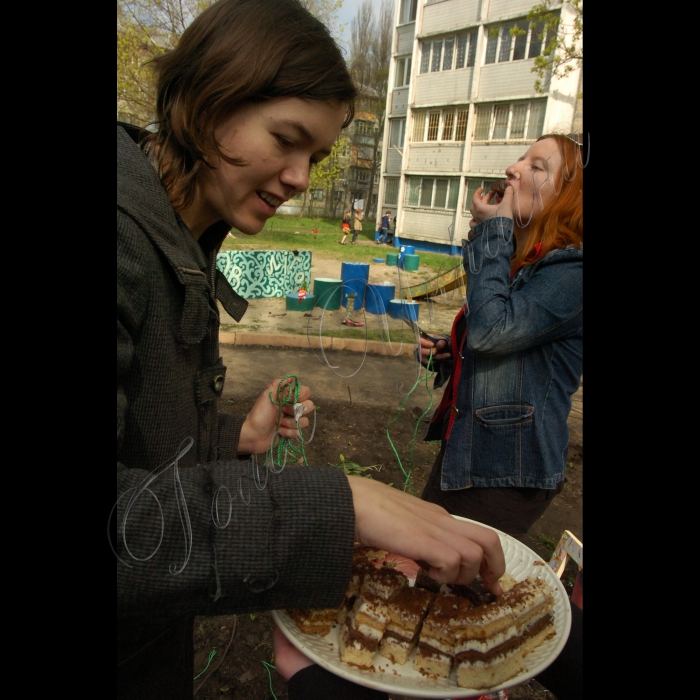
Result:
<point x="521" y="562"/>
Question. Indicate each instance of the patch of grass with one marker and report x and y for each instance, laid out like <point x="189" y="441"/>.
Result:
<point x="292" y="233"/>
<point x="547" y="541"/>
<point x="354" y="469"/>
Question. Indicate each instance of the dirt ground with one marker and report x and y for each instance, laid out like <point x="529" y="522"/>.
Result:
<point x="394" y="443"/>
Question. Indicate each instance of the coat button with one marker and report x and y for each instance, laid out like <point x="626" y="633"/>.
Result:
<point x="455" y="410"/>
<point x="218" y="383"/>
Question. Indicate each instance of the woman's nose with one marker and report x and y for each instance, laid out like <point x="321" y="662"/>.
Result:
<point x="296" y="175"/>
<point x="512" y="172"/>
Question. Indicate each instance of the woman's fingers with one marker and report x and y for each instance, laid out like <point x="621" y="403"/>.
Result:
<point x="454" y="550"/>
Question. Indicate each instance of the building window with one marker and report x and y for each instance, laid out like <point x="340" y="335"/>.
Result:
<point x="397" y="133"/>
<point x="317" y="194"/>
<point x="433" y="192"/>
<point x="444" y="125"/>
<point x="403" y="71"/>
<point x="407" y="11"/>
<point x="514" y="41"/>
<point x="433" y="126"/>
<point x="516" y="121"/>
<point x="391" y="190"/>
<point x="441" y="54"/>
<point x="473" y="184"/>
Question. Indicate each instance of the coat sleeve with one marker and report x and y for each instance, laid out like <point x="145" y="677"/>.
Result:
<point x="500" y="320"/>
<point x="224" y="537"/>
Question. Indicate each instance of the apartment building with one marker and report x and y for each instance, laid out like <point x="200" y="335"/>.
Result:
<point x="461" y="108"/>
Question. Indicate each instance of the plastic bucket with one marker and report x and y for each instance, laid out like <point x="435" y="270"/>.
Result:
<point x="410" y="262"/>
<point x="404" y="308"/>
<point x="355" y="277"/>
<point x="307" y="304"/>
<point x="405" y="250"/>
<point x="391" y="259"/>
<point x="378" y="297"/>
<point x="328" y="293"/>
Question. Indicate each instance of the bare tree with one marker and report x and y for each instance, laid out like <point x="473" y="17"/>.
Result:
<point x="370" y="55"/>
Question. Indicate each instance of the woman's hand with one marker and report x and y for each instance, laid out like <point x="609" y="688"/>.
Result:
<point x="441" y="350"/>
<point x="450" y="550"/>
<point x="486" y="205"/>
<point x="258" y="429"/>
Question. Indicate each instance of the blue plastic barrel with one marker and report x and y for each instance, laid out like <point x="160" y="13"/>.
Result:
<point x="377" y="298"/>
<point x="355" y="277"/>
<point x="404" y="308"/>
<point x="405" y="250"/>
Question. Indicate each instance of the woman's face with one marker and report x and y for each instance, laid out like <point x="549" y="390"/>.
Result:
<point x="535" y="180"/>
<point x="278" y="140"/>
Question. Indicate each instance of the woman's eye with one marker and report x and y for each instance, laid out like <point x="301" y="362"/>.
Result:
<point x="285" y="141"/>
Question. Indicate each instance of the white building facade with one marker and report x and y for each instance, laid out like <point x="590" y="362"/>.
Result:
<point x="461" y="108"/>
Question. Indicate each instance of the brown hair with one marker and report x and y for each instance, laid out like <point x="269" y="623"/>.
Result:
<point x="233" y="53"/>
<point x="561" y="222"/>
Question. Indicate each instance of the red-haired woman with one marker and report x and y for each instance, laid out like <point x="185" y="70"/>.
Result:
<point x="515" y="355"/>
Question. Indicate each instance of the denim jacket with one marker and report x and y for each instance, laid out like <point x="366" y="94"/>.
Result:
<point x="517" y="368"/>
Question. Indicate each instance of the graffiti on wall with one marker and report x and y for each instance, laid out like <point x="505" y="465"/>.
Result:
<point x="257" y="274"/>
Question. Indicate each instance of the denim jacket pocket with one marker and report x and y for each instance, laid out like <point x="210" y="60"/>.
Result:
<point x="504" y="416"/>
<point x="504" y="442"/>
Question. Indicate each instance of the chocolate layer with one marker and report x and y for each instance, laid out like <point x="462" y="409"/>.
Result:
<point x="507" y="646"/>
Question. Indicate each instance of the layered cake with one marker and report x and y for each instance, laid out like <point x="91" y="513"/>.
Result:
<point x="436" y="641"/>
<point x="364" y="627"/>
<point x="491" y="640"/>
<point x="406" y="612"/>
<point x="359" y="636"/>
<point x="317" y="622"/>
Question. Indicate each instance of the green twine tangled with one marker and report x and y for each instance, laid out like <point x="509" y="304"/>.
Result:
<point x="428" y="375"/>
<point x="288" y="396"/>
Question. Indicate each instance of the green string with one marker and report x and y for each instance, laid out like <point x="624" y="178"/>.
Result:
<point x="211" y="656"/>
<point x="289" y="395"/>
<point x="428" y="375"/>
<point x="269" y="675"/>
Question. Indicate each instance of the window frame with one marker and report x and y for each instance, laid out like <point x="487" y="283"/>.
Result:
<point x="534" y="109"/>
<point x="428" y="58"/>
<point x="403" y="68"/>
<point x="456" y="119"/>
<point x="496" y="45"/>
<point x="415" y="189"/>
<point x="389" y="190"/>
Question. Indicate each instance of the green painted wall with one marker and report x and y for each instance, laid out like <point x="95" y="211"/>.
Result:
<point x="258" y="274"/>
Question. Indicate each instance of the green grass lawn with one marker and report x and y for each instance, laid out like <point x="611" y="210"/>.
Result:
<point x="293" y="233"/>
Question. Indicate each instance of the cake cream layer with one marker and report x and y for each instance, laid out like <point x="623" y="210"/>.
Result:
<point x="384" y="583"/>
<point x="370" y="610"/>
<point x="477" y="650"/>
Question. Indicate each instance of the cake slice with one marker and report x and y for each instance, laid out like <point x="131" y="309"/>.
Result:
<point x="363" y="629"/>
<point x="492" y="640"/>
<point x="433" y="656"/>
<point x="406" y="612"/>
<point x="318" y="622"/>
<point x="385" y="582"/>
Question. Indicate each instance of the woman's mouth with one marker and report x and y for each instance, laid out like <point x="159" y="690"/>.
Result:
<point x="272" y="201"/>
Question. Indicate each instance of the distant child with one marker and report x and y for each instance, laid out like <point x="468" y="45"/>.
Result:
<point x="345" y="226"/>
<point x="384" y="228"/>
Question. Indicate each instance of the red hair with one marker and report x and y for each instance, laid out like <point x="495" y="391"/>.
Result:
<point x="560" y="223"/>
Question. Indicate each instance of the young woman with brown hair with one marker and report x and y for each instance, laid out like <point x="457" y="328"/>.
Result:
<point x="254" y="94"/>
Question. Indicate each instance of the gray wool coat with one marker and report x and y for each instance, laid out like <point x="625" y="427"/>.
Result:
<point x="194" y="530"/>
